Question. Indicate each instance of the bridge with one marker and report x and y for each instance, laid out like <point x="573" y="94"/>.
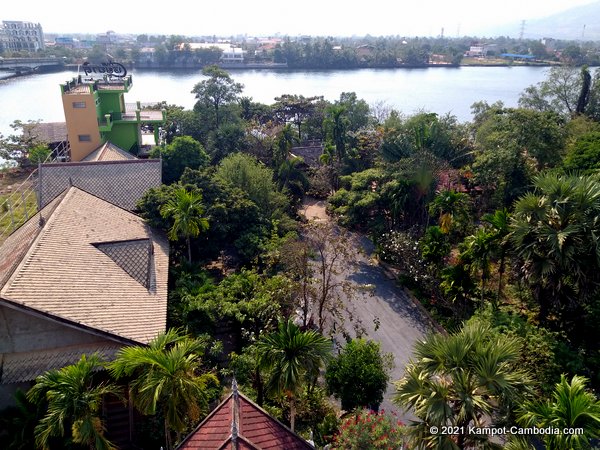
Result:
<point x="28" y="65"/>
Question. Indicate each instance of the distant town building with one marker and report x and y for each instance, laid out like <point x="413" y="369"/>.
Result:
<point x="478" y="50"/>
<point x="230" y="53"/>
<point x="17" y="36"/>
<point x="549" y="43"/>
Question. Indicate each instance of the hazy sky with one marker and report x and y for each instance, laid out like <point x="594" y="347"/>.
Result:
<point x="267" y="17"/>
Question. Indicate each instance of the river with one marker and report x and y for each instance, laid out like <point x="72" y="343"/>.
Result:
<point x="440" y="90"/>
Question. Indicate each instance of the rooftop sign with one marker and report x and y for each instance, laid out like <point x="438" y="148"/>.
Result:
<point x="109" y="68"/>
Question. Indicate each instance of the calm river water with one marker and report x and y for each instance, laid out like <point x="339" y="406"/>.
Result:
<point x="439" y="90"/>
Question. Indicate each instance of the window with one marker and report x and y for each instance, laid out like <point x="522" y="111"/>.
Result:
<point x="84" y="138"/>
<point x="78" y="105"/>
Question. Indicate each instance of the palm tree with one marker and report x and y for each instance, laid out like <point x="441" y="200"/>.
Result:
<point x="292" y="356"/>
<point x="571" y="406"/>
<point x="167" y="375"/>
<point x="499" y="222"/>
<point x="556" y="235"/>
<point x="74" y="401"/>
<point x="476" y="252"/>
<point x="186" y="210"/>
<point x="452" y="209"/>
<point x="460" y="380"/>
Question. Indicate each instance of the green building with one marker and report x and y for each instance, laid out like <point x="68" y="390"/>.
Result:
<point x="96" y="113"/>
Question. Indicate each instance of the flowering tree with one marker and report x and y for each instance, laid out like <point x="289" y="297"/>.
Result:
<point x="370" y="430"/>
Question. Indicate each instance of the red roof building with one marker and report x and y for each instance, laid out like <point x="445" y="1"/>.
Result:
<point x="240" y="424"/>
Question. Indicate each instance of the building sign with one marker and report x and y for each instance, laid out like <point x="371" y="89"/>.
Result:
<point x="109" y="68"/>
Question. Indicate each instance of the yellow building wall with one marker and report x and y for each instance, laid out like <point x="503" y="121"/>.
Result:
<point x="81" y="123"/>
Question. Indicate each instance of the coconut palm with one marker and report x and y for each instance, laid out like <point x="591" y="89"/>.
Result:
<point x="571" y="406"/>
<point x="74" y="404"/>
<point x="187" y="212"/>
<point x="460" y="380"/>
<point x="167" y="375"/>
<point x="292" y="357"/>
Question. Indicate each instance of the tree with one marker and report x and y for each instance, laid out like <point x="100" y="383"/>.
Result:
<point x="452" y="209"/>
<point x="468" y="378"/>
<point x="571" y="406"/>
<point x="315" y="263"/>
<point x="336" y="123"/>
<point x="584" y="155"/>
<point x="292" y="357"/>
<point x="477" y="251"/>
<point x="167" y="375"/>
<point x="74" y="403"/>
<point x="295" y="108"/>
<point x="249" y="175"/>
<point x="183" y="152"/>
<point x="215" y="92"/>
<point x="555" y="233"/>
<point x="359" y="374"/>
<point x="559" y="92"/>
<point x="187" y="212"/>
<point x="500" y="229"/>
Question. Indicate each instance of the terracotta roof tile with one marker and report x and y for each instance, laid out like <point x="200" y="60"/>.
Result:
<point x="64" y="274"/>
<point x="257" y="430"/>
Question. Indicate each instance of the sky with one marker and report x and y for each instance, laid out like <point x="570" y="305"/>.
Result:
<point x="268" y="17"/>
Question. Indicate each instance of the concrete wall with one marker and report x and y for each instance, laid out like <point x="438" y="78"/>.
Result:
<point x="81" y="121"/>
<point x="31" y="345"/>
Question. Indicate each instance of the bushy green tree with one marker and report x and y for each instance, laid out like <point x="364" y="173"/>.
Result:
<point x="359" y="374"/>
<point x="584" y="155"/>
<point x="217" y="91"/>
<point x="183" y="152"/>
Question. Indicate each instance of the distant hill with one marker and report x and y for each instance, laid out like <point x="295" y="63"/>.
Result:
<point x="564" y="25"/>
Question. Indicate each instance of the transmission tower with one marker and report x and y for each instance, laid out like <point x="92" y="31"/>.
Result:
<point x="522" y="32"/>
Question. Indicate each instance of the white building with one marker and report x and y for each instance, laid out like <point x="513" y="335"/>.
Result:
<point x="20" y="36"/>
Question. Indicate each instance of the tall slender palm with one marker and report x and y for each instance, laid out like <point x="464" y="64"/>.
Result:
<point x="477" y="251"/>
<point x="571" y="406"/>
<point x="74" y="400"/>
<point x="460" y="380"/>
<point x="292" y="357"/>
<point x="187" y="212"/>
<point x="499" y="222"/>
<point x="167" y="375"/>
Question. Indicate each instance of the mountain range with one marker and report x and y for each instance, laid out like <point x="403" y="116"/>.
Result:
<point x="577" y="23"/>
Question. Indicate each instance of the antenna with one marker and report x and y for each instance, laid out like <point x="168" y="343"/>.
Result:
<point x="583" y="32"/>
<point x="442" y="33"/>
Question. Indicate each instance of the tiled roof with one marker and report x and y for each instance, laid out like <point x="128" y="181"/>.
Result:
<point x="64" y="274"/>
<point x="122" y="183"/>
<point x="49" y="131"/>
<point x="240" y="424"/>
<point x="109" y="152"/>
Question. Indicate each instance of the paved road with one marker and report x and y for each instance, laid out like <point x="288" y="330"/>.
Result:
<point x="401" y="322"/>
